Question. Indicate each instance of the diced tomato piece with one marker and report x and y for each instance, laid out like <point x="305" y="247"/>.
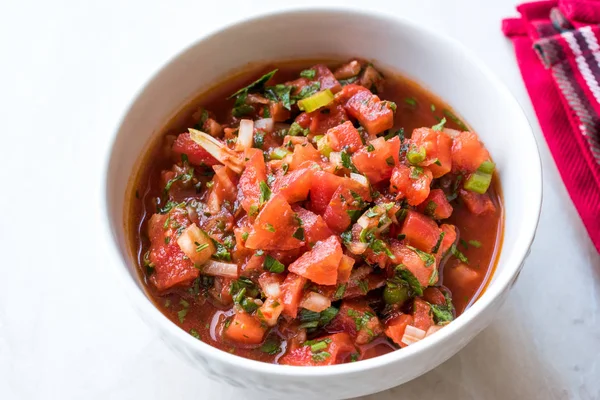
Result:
<point x="345" y="269"/>
<point x="254" y="264"/>
<point x="294" y="185"/>
<point x="357" y="287"/>
<point x="315" y="228"/>
<point x="254" y="172"/>
<point x="269" y="282"/>
<point x="339" y="347"/>
<point x="304" y="120"/>
<point x="326" y="118"/>
<point x="434" y="295"/>
<point x="344" y="136"/>
<point x="195" y="153"/>
<point x="171" y="267"/>
<point x="461" y="275"/>
<point x="246" y="329"/>
<point x="421" y="232"/>
<point x="320" y="264"/>
<point x="395" y="328"/>
<point x="224" y="187"/>
<point x="414" y="263"/>
<point x="377" y="165"/>
<point x="422" y="315"/>
<point x="348" y="91"/>
<point x="412" y="183"/>
<point x="450" y="236"/>
<point x="291" y="293"/>
<point x="326" y="78"/>
<point x="221" y="290"/>
<point x="324" y="184"/>
<point x="358" y="320"/>
<point x="436" y="205"/>
<point x="478" y="204"/>
<point x="438" y="150"/>
<point x="375" y="115"/>
<point x="336" y="214"/>
<point x="302" y="153"/>
<point x="278" y="112"/>
<point x="468" y="153"/>
<point x="274" y="227"/>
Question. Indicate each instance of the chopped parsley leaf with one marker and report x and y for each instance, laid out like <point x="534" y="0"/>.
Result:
<point x="270" y="346"/>
<point x="412" y="281"/>
<point x="272" y="265"/>
<point x="339" y="291"/>
<point x="194" y="333"/>
<point x="299" y="234"/>
<point x="308" y="73"/>
<point x="269" y="227"/>
<point x="411" y="101"/>
<point x="456" y="120"/>
<point x="439" y="126"/>
<point x="255" y="86"/>
<point x="457" y="253"/>
<point x="280" y="93"/>
<point x="265" y="192"/>
<point x="259" y="139"/>
<point x="438" y="243"/>
<point x="427" y="258"/>
<point x="347" y="162"/>
<point x="475" y="243"/>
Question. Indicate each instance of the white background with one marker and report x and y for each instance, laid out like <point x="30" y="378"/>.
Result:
<point x="67" y="71"/>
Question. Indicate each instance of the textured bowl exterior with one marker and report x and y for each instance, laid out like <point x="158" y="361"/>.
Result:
<point x="439" y="64"/>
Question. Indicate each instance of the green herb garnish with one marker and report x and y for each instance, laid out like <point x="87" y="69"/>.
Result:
<point x="255" y="86"/>
<point x="272" y="265"/>
<point x="308" y="73"/>
<point x="412" y="280"/>
<point x="265" y="192"/>
<point x="347" y="162"/>
<point x="439" y="126"/>
<point x="457" y="253"/>
<point x="456" y="120"/>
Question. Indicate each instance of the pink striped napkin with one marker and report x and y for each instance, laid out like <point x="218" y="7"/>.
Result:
<point x="557" y="44"/>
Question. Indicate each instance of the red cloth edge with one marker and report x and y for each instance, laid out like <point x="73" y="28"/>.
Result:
<point x="556" y="125"/>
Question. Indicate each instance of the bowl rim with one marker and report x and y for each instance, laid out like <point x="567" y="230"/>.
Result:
<point x="491" y="293"/>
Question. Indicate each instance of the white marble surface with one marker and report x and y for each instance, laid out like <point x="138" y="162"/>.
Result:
<point x="68" y="69"/>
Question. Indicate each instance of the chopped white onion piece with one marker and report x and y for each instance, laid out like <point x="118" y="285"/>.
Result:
<point x="360" y="179"/>
<point x="271" y="289"/>
<point x="357" y="247"/>
<point x="335" y="158"/>
<point x="384" y="226"/>
<point x="218" y="150"/>
<point x="451" y="132"/>
<point x="245" y="135"/>
<point x="363" y="221"/>
<point x="218" y="268"/>
<point x="433" y="329"/>
<point x="315" y="302"/>
<point x="270" y="311"/>
<point x="265" y="124"/>
<point x="196" y="244"/>
<point x="412" y="335"/>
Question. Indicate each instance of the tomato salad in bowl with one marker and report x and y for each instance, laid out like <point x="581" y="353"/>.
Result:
<point x="318" y="215"/>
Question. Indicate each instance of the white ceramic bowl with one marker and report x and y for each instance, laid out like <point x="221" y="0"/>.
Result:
<point x="440" y="65"/>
